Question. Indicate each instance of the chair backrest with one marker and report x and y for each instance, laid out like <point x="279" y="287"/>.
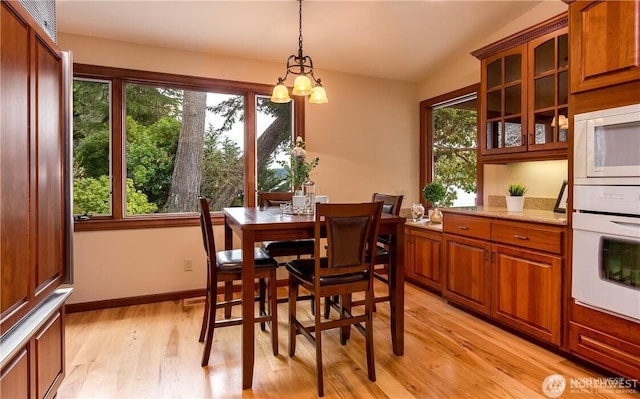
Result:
<point x="207" y="229"/>
<point x="391" y="203"/>
<point x="267" y="199"/>
<point x="351" y="231"/>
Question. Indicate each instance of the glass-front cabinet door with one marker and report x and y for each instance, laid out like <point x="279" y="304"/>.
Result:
<point x="504" y="108"/>
<point x="548" y="91"/>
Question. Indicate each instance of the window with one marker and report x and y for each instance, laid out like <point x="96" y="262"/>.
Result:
<point x="147" y="144"/>
<point x="450" y="136"/>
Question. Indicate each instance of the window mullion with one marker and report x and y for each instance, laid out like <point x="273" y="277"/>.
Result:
<point x="250" y="150"/>
<point x="118" y="148"/>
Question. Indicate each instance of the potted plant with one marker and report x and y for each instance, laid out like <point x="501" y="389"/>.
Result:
<point x="515" y="199"/>
<point x="434" y="193"/>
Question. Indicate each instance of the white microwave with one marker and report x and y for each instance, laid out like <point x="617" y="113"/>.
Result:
<point x="607" y="146"/>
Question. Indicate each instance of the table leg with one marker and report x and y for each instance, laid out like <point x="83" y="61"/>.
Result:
<point x="396" y="288"/>
<point x="228" y="235"/>
<point x="248" y="274"/>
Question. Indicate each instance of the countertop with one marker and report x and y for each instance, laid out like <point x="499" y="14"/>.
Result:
<point x="527" y="215"/>
<point x="424" y="224"/>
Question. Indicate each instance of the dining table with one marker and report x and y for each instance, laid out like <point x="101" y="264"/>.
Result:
<point x="253" y="225"/>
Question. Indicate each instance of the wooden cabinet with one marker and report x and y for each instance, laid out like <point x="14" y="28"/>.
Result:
<point x="35" y="207"/>
<point x="422" y="257"/>
<point x="604" y="43"/>
<point x="524" y="94"/>
<point x="508" y="270"/>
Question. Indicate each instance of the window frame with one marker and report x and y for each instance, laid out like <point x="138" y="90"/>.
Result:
<point x="119" y="78"/>
<point x="426" y="139"/>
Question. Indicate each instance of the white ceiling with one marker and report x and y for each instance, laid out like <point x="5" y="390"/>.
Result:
<point x="400" y="40"/>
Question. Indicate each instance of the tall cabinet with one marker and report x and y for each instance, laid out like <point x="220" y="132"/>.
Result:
<point x="34" y="207"/>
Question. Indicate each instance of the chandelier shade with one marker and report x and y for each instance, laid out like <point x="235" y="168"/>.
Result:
<point x="305" y="83"/>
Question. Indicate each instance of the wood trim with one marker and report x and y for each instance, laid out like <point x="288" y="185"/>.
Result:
<point x="149" y="222"/>
<point x="138" y="300"/>
<point x="524" y="36"/>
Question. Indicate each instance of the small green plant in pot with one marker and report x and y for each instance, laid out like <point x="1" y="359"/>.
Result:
<point x="515" y="199"/>
<point x="435" y="192"/>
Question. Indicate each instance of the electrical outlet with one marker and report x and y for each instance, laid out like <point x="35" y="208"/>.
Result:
<point x="188" y="264"/>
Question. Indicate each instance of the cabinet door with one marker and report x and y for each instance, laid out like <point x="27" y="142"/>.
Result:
<point x="467" y="279"/>
<point x="604" y="43"/>
<point x="14" y="168"/>
<point x="526" y="291"/>
<point x="424" y="253"/>
<point x="14" y="377"/>
<point x="548" y="91"/>
<point x="504" y="102"/>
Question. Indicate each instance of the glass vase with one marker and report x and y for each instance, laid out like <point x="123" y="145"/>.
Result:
<point x="309" y="192"/>
<point x="417" y="212"/>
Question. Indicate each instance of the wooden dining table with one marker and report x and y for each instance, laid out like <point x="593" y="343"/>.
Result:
<point x="253" y="225"/>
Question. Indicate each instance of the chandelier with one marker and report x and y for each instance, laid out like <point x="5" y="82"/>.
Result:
<point x="302" y="66"/>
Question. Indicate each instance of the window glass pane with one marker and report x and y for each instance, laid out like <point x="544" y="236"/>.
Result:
<point x="512" y="98"/>
<point x="544" y="125"/>
<point x="274" y="137"/>
<point x="620" y="261"/>
<point x="544" y="57"/>
<point x="180" y="144"/>
<point x="544" y="92"/>
<point x="494" y="74"/>
<point x="512" y="66"/>
<point x="91" y="147"/>
<point x="513" y="132"/>
<point x="454" y="150"/>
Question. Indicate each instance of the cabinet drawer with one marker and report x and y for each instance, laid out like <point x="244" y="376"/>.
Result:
<point x="527" y="235"/>
<point x="467" y="226"/>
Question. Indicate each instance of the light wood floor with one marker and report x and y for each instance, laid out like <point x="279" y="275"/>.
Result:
<point x="152" y="351"/>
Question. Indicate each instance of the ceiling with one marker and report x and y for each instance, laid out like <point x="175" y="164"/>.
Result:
<point x="401" y="40"/>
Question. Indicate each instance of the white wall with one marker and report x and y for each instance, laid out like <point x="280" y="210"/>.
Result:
<point x="542" y="178"/>
<point x="366" y="138"/>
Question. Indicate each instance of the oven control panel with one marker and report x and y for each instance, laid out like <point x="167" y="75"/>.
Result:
<point x="607" y="199"/>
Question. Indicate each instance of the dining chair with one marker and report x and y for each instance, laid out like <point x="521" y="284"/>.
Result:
<point x="351" y="231"/>
<point x="391" y="205"/>
<point x="226" y="266"/>
<point x="277" y="249"/>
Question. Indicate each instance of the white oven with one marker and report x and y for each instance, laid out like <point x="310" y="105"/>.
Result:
<point x="607" y="146"/>
<point x="606" y="249"/>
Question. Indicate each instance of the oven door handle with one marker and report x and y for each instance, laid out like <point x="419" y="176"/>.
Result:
<point x="634" y="227"/>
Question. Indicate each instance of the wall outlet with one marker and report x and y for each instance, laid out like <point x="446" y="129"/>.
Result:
<point x="188" y="264"/>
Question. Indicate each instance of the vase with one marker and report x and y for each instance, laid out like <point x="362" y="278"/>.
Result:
<point x="417" y="212"/>
<point x="309" y="192"/>
<point x="436" y="215"/>
<point x="514" y="204"/>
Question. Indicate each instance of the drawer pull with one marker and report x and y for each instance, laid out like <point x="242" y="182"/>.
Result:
<point x="519" y="237"/>
<point x="463" y="227"/>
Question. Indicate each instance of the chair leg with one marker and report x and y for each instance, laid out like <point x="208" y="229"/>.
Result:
<point x="211" y="322"/>
<point x="228" y="295"/>
<point x="273" y="311"/>
<point x="371" y="365"/>
<point x="262" y="289"/>
<point x="205" y="315"/>
<point x="293" y="297"/>
<point x="345" y="305"/>
<point x="318" y="336"/>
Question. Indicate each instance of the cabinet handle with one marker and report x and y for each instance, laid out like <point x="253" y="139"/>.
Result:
<point x="531" y="140"/>
<point x="486" y="255"/>
<point x="519" y="237"/>
<point x="463" y="227"/>
<point x="493" y="257"/>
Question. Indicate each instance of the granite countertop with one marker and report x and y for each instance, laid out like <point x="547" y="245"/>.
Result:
<point x="424" y="224"/>
<point x="527" y="215"/>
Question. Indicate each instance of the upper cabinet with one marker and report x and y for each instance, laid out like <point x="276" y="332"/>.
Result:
<point x="604" y="43"/>
<point x="524" y="94"/>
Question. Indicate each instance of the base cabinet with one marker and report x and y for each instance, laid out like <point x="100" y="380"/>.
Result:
<point x="509" y="271"/>
<point x="45" y="351"/>
<point x="422" y="257"/>
<point x="606" y="340"/>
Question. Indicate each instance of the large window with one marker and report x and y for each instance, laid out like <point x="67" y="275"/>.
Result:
<point x="450" y="136"/>
<point x="147" y="144"/>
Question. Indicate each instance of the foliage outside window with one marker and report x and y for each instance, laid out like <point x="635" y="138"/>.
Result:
<point x="452" y="135"/>
<point x="177" y="140"/>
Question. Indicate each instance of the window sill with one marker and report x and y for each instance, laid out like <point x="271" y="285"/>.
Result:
<point x="145" y="222"/>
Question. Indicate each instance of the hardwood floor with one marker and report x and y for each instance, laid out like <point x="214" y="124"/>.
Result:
<point x="152" y="351"/>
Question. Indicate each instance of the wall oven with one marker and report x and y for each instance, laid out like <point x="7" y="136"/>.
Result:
<point x="606" y="249"/>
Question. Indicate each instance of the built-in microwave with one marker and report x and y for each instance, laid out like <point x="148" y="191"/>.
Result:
<point x="607" y="146"/>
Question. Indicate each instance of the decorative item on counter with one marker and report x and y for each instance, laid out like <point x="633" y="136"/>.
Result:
<point x="417" y="212"/>
<point x="515" y="199"/>
<point x="309" y="192"/>
<point x="299" y="168"/>
<point x="435" y="192"/>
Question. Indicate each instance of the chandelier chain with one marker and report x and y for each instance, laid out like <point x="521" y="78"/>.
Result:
<point x="300" y="27"/>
